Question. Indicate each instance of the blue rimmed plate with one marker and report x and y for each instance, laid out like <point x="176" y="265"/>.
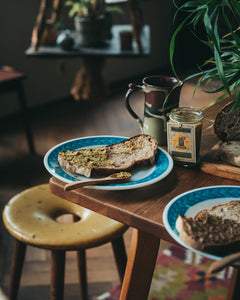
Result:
<point x="141" y="177"/>
<point x="192" y="202"/>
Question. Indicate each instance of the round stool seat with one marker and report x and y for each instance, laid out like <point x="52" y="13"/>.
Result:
<point x="31" y="217"/>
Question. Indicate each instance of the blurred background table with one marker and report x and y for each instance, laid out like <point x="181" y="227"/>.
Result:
<point x="89" y="82"/>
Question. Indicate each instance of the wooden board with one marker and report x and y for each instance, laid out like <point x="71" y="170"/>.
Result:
<point x="211" y="164"/>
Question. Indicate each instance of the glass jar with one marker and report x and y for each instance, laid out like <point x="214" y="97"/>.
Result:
<point x="184" y="131"/>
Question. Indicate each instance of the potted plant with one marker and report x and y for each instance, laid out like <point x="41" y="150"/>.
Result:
<point x="220" y="20"/>
<point x="91" y="20"/>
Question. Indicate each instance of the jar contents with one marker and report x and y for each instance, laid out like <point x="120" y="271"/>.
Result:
<point x="184" y="131"/>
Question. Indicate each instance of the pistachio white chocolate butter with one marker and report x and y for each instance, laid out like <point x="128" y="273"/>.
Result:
<point x="105" y="160"/>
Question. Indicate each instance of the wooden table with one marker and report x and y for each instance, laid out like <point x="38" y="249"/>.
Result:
<point x="89" y="82"/>
<point x="110" y="48"/>
<point x="142" y="209"/>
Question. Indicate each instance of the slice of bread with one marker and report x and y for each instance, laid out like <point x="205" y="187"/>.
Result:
<point x="227" y="125"/>
<point x="206" y="232"/>
<point x="229" y="211"/>
<point x="214" y="227"/>
<point x="230" y="152"/>
<point x="105" y="160"/>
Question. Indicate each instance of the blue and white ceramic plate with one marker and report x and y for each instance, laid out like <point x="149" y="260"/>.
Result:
<point x="192" y="202"/>
<point x="141" y="177"/>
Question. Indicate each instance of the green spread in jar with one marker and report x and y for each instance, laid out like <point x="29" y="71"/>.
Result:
<point x="184" y="135"/>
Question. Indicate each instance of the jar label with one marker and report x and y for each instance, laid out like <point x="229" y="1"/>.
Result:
<point x="181" y="142"/>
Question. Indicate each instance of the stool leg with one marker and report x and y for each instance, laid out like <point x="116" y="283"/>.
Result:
<point x="57" y="274"/>
<point x="120" y="256"/>
<point x="16" y="270"/>
<point x="82" y="270"/>
<point x="22" y="102"/>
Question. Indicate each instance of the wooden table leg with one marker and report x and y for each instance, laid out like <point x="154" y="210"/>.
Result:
<point x="136" y="16"/>
<point x="89" y="83"/>
<point x="140" y="266"/>
<point x="24" y="114"/>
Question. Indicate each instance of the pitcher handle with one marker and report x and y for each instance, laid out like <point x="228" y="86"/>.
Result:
<point x="131" y="89"/>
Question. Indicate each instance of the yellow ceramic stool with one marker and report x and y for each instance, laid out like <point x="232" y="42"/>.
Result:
<point x="31" y="217"/>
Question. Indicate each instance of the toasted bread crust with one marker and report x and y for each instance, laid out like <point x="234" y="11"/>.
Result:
<point x="230" y="152"/>
<point x="208" y="232"/>
<point x="185" y="236"/>
<point x="227" y="126"/>
<point x="214" y="227"/>
<point x="123" y="156"/>
<point x="229" y="211"/>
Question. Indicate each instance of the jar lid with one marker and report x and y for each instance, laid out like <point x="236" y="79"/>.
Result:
<point x="186" y="115"/>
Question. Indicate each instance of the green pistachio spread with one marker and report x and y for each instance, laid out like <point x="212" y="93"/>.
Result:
<point x="97" y="157"/>
<point x="122" y="174"/>
<point x="93" y="157"/>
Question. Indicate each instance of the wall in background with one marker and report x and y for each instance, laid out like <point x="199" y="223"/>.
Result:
<point x="46" y="81"/>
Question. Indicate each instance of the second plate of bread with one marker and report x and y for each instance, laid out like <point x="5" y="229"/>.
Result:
<point x="206" y="220"/>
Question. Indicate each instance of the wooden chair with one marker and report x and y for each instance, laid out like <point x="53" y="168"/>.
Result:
<point x="32" y="218"/>
<point x="12" y="81"/>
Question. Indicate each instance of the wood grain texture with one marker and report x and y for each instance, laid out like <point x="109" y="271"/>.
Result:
<point x="135" y="285"/>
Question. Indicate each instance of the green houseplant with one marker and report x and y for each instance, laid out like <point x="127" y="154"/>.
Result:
<point x="86" y="8"/>
<point x="223" y="42"/>
<point x="92" y="20"/>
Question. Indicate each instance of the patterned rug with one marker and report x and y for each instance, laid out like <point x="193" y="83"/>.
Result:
<point x="181" y="274"/>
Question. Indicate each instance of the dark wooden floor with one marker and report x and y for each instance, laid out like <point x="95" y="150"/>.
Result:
<point x="51" y="125"/>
